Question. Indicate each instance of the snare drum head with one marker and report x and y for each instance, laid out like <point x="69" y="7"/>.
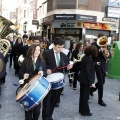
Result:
<point x="28" y="87"/>
<point x="55" y="77"/>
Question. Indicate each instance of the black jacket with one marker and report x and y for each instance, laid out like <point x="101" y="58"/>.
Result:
<point x="51" y="62"/>
<point x="2" y="66"/>
<point x="76" y="66"/>
<point x="27" y="67"/>
<point x="87" y="71"/>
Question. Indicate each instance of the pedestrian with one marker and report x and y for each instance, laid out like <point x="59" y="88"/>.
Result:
<point x="86" y="79"/>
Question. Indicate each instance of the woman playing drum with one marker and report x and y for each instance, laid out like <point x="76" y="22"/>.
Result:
<point x="32" y="65"/>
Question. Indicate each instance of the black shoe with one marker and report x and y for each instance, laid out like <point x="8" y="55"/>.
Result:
<point x="88" y="114"/>
<point x="57" y="105"/>
<point x="102" y="103"/>
<point x="70" y="84"/>
<point x="74" y="88"/>
<point x="51" y="118"/>
<point x="91" y="94"/>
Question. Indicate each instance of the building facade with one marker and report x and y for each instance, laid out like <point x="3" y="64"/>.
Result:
<point x="74" y="19"/>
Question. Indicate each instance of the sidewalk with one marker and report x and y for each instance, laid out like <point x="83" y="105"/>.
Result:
<point x="68" y="110"/>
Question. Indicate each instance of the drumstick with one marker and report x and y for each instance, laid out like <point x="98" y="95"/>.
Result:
<point x="21" y="81"/>
<point x="54" y="69"/>
<point x="62" y="67"/>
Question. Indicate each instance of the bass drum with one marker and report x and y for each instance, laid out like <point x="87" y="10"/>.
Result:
<point x="33" y="92"/>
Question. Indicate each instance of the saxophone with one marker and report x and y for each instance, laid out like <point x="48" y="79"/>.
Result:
<point x="79" y="58"/>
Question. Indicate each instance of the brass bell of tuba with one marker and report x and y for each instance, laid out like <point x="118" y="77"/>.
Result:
<point x="102" y="42"/>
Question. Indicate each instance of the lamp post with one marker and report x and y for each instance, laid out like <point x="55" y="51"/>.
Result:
<point x="25" y="24"/>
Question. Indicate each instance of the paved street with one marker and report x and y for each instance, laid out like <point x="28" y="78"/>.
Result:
<point x="68" y="110"/>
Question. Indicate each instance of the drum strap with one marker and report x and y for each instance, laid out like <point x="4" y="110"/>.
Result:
<point x="34" y="66"/>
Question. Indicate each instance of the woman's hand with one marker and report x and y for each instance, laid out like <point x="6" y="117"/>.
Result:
<point x="69" y="66"/>
<point x="49" y="71"/>
<point x="93" y="85"/>
<point x="26" y="76"/>
<point x="40" y="73"/>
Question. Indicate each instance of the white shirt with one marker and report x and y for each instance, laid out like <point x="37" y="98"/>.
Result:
<point x="55" y="55"/>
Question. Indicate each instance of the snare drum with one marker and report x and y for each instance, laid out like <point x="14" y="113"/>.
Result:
<point x="33" y="92"/>
<point x="56" y="80"/>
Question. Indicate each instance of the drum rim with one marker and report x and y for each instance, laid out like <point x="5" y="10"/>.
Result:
<point x="58" y="87"/>
<point x="24" y="87"/>
<point x="57" y="80"/>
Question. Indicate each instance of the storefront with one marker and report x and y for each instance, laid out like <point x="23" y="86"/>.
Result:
<point x="68" y="26"/>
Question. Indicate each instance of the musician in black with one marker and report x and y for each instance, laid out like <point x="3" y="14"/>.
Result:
<point x="77" y="54"/>
<point x="32" y="65"/>
<point x="71" y="49"/>
<point x="12" y="55"/>
<point x="54" y="58"/>
<point x="26" y="47"/>
<point x="100" y="70"/>
<point x="86" y="79"/>
<point x="16" y="53"/>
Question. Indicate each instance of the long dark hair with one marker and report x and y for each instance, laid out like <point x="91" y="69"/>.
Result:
<point x="31" y="52"/>
<point x="91" y="51"/>
<point x="78" y="46"/>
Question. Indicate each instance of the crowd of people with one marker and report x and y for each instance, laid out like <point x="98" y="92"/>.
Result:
<point x="88" y="60"/>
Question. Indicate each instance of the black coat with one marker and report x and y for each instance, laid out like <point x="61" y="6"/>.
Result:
<point x="19" y="49"/>
<point x="27" y="67"/>
<point x="100" y="58"/>
<point x="76" y="66"/>
<point x="2" y="66"/>
<point x="24" y="50"/>
<point x="87" y="71"/>
<point x="51" y="62"/>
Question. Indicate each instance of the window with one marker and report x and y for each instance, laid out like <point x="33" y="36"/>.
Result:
<point x="24" y="13"/>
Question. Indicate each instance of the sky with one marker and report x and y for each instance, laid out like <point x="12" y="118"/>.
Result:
<point x="10" y="4"/>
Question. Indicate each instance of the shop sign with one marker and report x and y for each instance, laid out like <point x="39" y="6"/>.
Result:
<point x="66" y="25"/>
<point x="113" y="12"/>
<point x="35" y="22"/>
<point x="86" y="18"/>
<point x="64" y="16"/>
<point x="35" y="9"/>
<point x="115" y="3"/>
<point x="100" y="26"/>
<point x="48" y="18"/>
<point x="109" y="19"/>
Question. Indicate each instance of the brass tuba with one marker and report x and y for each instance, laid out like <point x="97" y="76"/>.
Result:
<point x="5" y="29"/>
<point x="102" y="42"/>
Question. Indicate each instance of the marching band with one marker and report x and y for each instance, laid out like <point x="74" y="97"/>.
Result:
<point x="41" y="69"/>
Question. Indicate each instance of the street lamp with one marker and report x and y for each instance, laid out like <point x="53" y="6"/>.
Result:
<point x="25" y="24"/>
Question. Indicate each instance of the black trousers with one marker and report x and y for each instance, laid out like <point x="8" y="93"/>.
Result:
<point x="75" y="79"/>
<point x="33" y="114"/>
<point x="101" y="80"/>
<point x="84" y="97"/>
<point x="49" y="104"/>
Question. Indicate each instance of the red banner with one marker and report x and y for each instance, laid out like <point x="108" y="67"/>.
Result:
<point x="35" y="9"/>
<point x="100" y="26"/>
